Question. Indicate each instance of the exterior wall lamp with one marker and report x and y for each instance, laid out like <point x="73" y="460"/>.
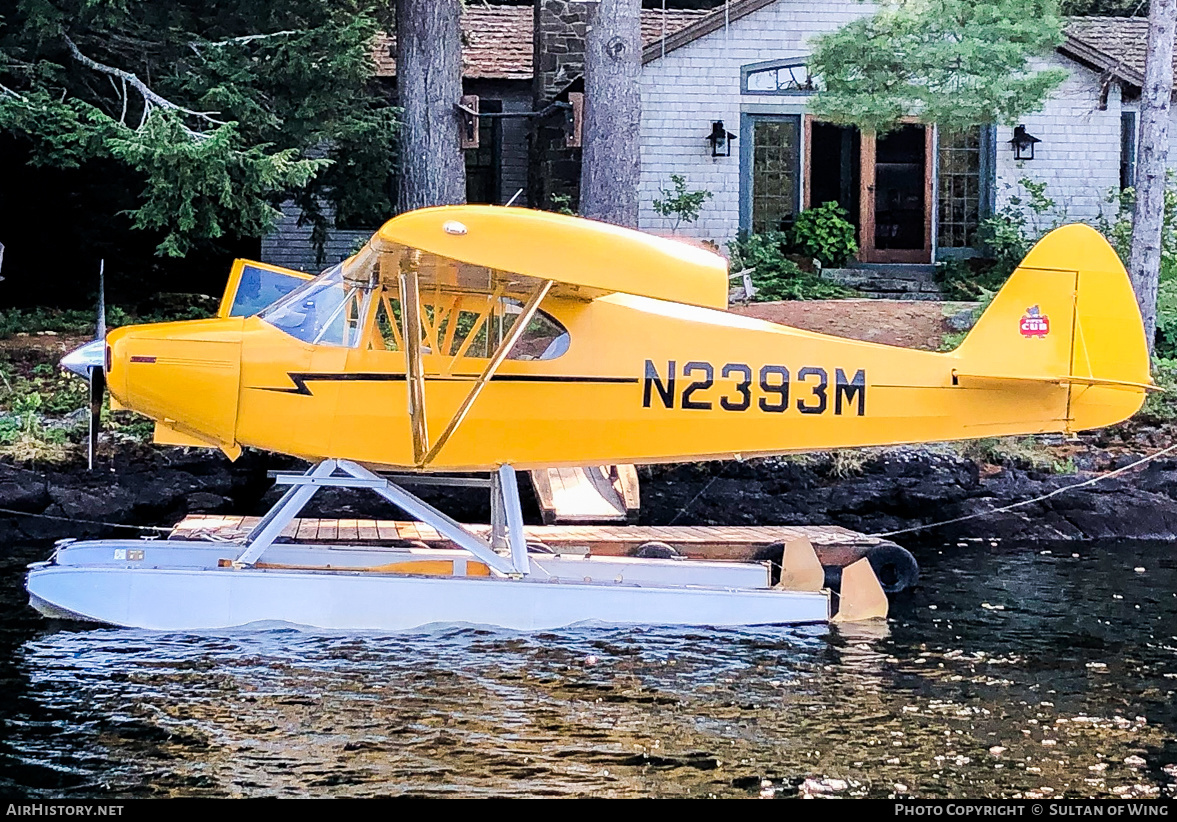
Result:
<point x="1023" y="144"/>
<point x="721" y="140"/>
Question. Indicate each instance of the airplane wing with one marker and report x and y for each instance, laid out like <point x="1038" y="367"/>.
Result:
<point x="478" y="248"/>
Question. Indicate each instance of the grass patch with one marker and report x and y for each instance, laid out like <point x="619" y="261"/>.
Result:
<point x="1018" y="452"/>
<point x="157" y="309"/>
<point x="848" y="462"/>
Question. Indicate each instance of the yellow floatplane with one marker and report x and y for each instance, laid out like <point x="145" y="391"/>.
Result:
<point x="485" y="339"/>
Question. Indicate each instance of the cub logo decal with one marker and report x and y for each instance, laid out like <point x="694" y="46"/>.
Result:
<point x="1034" y="323"/>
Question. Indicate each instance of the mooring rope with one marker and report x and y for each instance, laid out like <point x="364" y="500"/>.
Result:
<point x="976" y="515"/>
<point x="155" y="528"/>
<point x="1054" y="493"/>
<point x="710" y="482"/>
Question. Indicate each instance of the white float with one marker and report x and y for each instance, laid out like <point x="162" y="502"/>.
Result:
<point x="175" y="585"/>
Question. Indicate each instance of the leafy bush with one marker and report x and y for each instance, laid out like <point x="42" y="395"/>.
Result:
<point x="968" y="280"/>
<point x="1166" y="341"/>
<point x="679" y="204"/>
<point x="1161" y="407"/>
<point x="162" y="308"/>
<point x="1118" y="227"/>
<point x="775" y="276"/>
<point x="1012" y="231"/>
<point x="825" y="234"/>
<point x="561" y="204"/>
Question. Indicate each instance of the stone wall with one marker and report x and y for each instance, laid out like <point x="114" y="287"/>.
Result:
<point x="559" y="45"/>
<point x="560" y="27"/>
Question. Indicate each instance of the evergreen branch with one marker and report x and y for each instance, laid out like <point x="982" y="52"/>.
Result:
<point x="150" y="97"/>
<point x="197" y="45"/>
<point x="250" y="38"/>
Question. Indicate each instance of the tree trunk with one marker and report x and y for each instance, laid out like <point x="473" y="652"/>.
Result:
<point x="1145" y="262"/>
<point x="611" y="164"/>
<point x="429" y="85"/>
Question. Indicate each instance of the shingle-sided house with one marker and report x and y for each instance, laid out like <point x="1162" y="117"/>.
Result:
<point x="916" y="195"/>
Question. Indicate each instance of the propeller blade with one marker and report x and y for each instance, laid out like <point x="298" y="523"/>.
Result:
<point x="97" y="392"/>
<point x="96" y="370"/>
<point x="101" y="335"/>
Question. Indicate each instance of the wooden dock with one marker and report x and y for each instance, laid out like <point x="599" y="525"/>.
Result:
<point x="835" y="546"/>
<point x="588" y="495"/>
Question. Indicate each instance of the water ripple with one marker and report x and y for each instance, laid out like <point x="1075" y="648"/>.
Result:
<point x="1008" y="673"/>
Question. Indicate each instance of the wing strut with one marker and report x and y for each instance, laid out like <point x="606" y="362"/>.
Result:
<point x="411" y="334"/>
<point x="504" y="349"/>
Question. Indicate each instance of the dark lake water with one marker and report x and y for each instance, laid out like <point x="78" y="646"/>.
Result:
<point x="1007" y="672"/>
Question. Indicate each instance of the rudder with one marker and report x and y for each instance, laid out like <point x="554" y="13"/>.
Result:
<point x="1067" y="314"/>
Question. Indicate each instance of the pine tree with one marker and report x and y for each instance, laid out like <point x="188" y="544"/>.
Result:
<point x="958" y="63"/>
<point x="429" y="85"/>
<point x="611" y="157"/>
<point x="1145" y="260"/>
<point x="206" y="114"/>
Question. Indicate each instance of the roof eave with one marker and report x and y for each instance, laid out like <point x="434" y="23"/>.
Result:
<point x="702" y="27"/>
<point x="1084" y="52"/>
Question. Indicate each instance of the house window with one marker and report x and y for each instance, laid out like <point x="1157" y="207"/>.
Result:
<point x="1127" y="149"/>
<point x="484" y="163"/>
<point x="777" y="77"/>
<point x="965" y="164"/>
<point x="960" y="189"/>
<point x="772" y="172"/>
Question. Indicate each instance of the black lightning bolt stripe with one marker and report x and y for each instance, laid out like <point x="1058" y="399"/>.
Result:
<point x="300" y="379"/>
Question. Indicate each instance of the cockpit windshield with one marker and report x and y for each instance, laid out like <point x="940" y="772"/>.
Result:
<point x="328" y="310"/>
<point x="357" y="303"/>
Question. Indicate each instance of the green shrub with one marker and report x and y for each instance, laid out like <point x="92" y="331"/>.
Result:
<point x="1166" y="340"/>
<point x="1012" y="231"/>
<point x="561" y="204"/>
<point x="1118" y="227"/>
<point x="825" y="234"/>
<point x="160" y="308"/>
<point x="1161" y="406"/>
<point x="774" y="275"/>
<point x="679" y="204"/>
<point x="968" y="280"/>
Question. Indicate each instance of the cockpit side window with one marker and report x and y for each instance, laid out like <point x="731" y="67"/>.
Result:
<point x="543" y="339"/>
<point x="470" y="326"/>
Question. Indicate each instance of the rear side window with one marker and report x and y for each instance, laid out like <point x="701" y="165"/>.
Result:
<point x="465" y="326"/>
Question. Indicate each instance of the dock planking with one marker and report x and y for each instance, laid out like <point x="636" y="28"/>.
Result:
<point x="694" y="541"/>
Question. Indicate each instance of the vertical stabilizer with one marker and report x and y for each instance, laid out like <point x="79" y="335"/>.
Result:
<point x="1067" y="315"/>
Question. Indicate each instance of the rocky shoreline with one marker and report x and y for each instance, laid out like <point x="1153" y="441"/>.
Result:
<point x="877" y="492"/>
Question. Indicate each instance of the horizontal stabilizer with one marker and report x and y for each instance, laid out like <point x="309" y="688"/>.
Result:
<point x="1059" y="380"/>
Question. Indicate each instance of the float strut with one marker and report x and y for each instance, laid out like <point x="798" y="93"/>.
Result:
<point x="281" y="515"/>
<point x="509" y="491"/>
<point x="445" y="525"/>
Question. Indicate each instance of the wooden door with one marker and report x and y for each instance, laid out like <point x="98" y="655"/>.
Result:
<point x="895" y="203"/>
